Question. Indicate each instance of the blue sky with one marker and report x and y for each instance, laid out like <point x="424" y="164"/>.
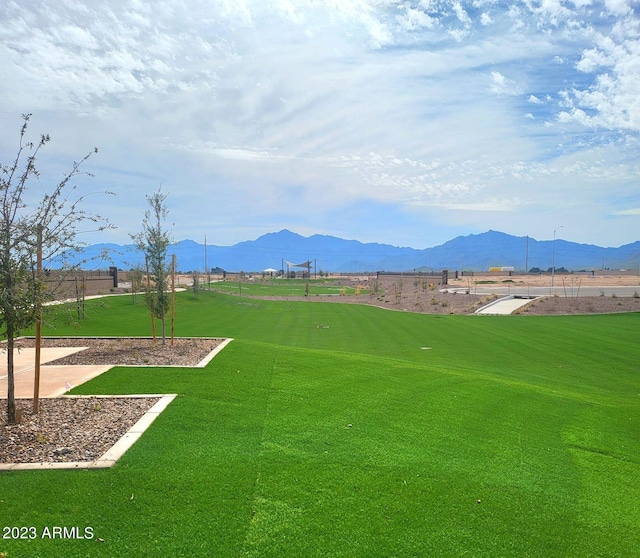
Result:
<point x="403" y="122"/>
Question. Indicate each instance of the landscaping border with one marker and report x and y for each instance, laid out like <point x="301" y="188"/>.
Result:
<point x="115" y="452"/>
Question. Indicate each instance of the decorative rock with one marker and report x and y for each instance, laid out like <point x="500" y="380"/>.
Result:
<point x="62" y="451"/>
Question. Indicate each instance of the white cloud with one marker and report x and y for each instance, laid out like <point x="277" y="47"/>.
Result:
<point x="414" y="20"/>
<point x="582" y="3"/>
<point x="618" y="7"/>
<point x="242" y="154"/>
<point x="626" y="212"/>
<point x="485" y="19"/>
<point x="461" y="14"/>
<point x="613" y="99"/>
<point x="592" y="59"/>
<point x="75" y="37"/>
<point x="502" y="85"/>
<point x="551" y="11"/>
<point x="494" y="206"/>
<point x="268" y="106"/>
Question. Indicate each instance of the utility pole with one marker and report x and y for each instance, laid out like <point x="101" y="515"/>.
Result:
<point x="553" y="257"/>
<point x="206" y="267"/>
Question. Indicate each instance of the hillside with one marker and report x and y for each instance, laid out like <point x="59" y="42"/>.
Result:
<point x="471" y="253"/>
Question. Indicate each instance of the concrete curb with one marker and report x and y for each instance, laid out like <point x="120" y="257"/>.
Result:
<point x="206" y="360"/>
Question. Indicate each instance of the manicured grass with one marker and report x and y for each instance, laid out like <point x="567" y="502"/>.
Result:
<point x="331" y="430"/>
<point x="286" y="287"/>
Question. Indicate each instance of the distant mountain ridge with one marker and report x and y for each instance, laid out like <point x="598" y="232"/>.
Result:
<point x="474" y="252"/>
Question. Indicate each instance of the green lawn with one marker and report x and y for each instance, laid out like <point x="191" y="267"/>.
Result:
<point x="332" y="430"/>
<point x="286" y="287"/>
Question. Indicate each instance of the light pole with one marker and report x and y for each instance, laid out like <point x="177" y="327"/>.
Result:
<point x="553" y="257"/>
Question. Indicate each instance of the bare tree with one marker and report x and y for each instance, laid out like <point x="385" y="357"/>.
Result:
<point x="49" y="227"/>
<point x="153" y="241"/>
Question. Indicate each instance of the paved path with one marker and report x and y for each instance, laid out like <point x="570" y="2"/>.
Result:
<point x="54" y="379"/>
<point x="503" y="306"/>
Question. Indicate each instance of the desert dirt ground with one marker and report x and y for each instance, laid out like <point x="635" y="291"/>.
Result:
<point x="598" y="280"/>
<point x="423" y="294"/>
<point x="553" y="305"/>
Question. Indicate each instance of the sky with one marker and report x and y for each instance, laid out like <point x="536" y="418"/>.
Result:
<point x="406" y="122"/>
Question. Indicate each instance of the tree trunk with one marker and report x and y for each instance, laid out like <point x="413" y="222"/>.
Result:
<point x="164" y="334"/>
<point x="11" y="396"/>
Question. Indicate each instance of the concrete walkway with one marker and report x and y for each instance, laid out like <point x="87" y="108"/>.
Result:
<point x="504" y="306"/>
<point x="54" y="379"/>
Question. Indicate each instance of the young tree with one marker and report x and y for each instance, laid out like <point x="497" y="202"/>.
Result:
<point x="136" y="275"/>
<point x="196" y="283"/>
<point x="49" y="227"/>
<point x="153" y="241"/>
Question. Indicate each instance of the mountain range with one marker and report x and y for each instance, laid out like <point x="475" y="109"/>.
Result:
<point x="475" y="252"/>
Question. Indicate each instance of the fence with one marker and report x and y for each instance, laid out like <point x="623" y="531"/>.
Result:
<point x="78" y="283"/>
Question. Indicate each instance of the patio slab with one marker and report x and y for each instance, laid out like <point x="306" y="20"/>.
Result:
<point x="54" y="379"/>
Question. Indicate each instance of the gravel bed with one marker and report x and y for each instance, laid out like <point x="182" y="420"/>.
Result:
<point x="130" y="350"/>
<point x="69" y="429"/>
<point x="580" y="305"/>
